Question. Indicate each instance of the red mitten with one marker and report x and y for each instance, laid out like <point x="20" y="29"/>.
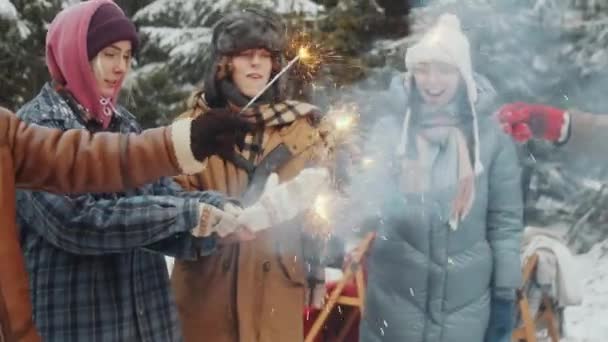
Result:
<point x="523" y="120"/>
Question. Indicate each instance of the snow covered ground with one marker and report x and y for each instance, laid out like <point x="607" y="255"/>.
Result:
<point x="585" y="323"/>
<point x="588" y="322"/>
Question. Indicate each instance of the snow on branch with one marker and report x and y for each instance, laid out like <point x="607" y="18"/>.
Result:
<point x="8" y="10"/>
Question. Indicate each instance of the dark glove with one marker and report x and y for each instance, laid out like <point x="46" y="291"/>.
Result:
<point x="218" y="132"/>
<point x="502" y="320"/>
<point x="524" y="121"/>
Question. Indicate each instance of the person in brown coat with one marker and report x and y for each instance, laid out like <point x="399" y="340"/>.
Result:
<point x="73" y="161"/>
<point x="253" y="291"/>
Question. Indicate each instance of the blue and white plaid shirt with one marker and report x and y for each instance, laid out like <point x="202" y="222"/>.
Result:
<point x="96" y="264"/>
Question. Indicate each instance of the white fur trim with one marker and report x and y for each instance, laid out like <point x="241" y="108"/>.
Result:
<point x="404" y="133"/>
<point x="180" y="137"/>
<point x="478" y="164"/>
<point x="563" y="134"/>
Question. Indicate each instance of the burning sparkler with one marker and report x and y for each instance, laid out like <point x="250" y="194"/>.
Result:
<point x="367" y="162"/>
<point x="344" y="118"/>
<point x="304" y="56"/>
<point x="321" y="207"/>
<point x="310" y="56"/>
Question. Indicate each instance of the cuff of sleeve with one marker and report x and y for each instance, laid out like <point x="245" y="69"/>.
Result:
<point x="181" y="140"/>
<point x="203" y="228"/>
<point x="565" y="131"/>
<point x="504" y="293"/>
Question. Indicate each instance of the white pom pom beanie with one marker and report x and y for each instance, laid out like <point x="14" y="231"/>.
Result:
<point x="445" y="42"/>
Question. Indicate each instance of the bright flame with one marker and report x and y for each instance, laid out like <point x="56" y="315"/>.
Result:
<point x="321" y="207"/>
<point x="344" y="117"/>
<point x="367" y="162"/>
<point x="344" y="122"/>
<point x="304" y="54"/>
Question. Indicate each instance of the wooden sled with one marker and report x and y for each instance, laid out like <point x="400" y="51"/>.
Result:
<point x="349" y="291"/>
<point x="546" y="314"/>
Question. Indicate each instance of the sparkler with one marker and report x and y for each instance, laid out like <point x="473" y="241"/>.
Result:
<point x="304" y="55"/>
<point x="320" y="207"/>
<point x="344" y="119"/>
<point x="367" y="162"/>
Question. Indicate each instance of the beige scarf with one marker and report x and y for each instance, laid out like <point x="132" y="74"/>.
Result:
<point x="416" y="175"/>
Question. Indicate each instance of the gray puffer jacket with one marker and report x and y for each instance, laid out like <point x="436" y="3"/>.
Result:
<point x="429" y="283"/>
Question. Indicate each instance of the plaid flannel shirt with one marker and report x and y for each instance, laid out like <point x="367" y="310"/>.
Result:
<point x="96" y="264"/>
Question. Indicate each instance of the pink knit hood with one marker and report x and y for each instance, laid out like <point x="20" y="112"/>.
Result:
<point x="68" y="63"/>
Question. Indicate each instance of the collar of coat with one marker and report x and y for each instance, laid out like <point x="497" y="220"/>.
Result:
<point x="276" y="114"/>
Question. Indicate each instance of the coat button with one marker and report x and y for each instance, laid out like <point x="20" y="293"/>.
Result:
<point x="226" y="265"/>
<point x="266" y="266"/>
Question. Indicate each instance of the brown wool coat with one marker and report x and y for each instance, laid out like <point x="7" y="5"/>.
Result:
<point x="251" y="291"/>
<point x="34" y="157"/>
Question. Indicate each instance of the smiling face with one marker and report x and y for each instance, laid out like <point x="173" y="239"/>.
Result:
<point x="110" y="67"/>
<point x="437" y="82"/>
<point x="251" y="70"/>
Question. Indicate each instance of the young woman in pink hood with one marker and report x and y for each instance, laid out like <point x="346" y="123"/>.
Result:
<point x="96" y="265"/>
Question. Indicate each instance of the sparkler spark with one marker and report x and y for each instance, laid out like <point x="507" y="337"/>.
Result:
<point x="321" y="207"/>
<point x="344" y="123"/>
<point x="366" y="162"/>
<point x="311" y="56"/>
<point x="344" y="117"/>
<point x="269" y="84"/>
<point x="304" y="54"/>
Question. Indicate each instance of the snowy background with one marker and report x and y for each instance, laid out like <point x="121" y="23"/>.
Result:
<point x="550" y="51"/>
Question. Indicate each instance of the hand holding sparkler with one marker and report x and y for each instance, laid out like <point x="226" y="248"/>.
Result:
<point x="280" y="203"/>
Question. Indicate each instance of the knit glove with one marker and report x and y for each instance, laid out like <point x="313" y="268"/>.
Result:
<point x="216" y="132"/>
<point x="524" y="121"/>
<point x="280" y="203"/>
<point x="214" y="220"/>
<point x="502" y="320"/>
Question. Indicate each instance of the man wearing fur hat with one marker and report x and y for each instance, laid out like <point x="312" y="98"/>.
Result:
<point x="447" y="265"/>
<point x="252" y="291"/>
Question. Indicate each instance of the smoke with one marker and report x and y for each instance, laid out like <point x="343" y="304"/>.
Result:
<point x="550" y="52"/>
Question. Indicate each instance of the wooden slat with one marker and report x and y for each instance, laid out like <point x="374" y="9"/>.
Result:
<point x="352" y="268"/>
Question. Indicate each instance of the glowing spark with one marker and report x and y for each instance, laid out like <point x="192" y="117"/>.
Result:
<point x="344" y="117"/>
<point x="269" y="84"/>
<point x="320" y="206"/>
<point x="344" y="123"/>
<point x="304" y="54"/>
<point x="367" y="162"/>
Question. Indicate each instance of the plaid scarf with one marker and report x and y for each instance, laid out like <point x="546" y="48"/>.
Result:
<point x="271" y="115"/>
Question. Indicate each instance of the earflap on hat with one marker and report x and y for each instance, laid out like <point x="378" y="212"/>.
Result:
<point x="445" y="42"/>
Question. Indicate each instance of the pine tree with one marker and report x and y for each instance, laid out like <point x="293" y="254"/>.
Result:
<point x="22" y="67"/>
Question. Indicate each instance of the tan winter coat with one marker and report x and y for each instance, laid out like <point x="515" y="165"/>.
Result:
<point x="250" y="291"/>
<point x="34" y="157"/>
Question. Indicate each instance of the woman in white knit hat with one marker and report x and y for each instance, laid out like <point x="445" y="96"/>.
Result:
<point x="446" y="264"/>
